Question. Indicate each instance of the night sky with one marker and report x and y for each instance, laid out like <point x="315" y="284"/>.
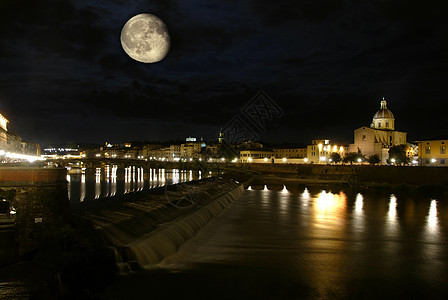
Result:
<point x="64" y="76"/>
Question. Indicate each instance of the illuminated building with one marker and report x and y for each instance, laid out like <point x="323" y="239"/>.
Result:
<point x="190" y="150"/>
<point x="433" y="152"/>
<point x="380" y="136"/>
<point x="247" y="156"/>
<point x="3" y="132"/>
<point x="290" y="152"/>
<point x="13" y="143"/>
<point x="320" y="151"/>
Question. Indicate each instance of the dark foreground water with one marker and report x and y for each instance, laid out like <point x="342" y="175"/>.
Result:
<point x="310" y="243"/>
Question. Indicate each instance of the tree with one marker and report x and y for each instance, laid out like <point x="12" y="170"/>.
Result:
<point x="335" y="157"/>
<point x="398" y="155"/>
<point x="351" y="157"/>
<point x="374" y="159"/>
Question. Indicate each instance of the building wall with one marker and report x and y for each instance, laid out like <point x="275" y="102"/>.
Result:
<point x="433" y="153"/>
<point x="319" y="152"/>
<point x="290" y="152"/>
<point x="376" y="142"/>
<point x="255" y="154"/>
<point x="190" y="150"/>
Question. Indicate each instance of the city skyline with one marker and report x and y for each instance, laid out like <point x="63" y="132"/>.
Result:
<point x="64" y="76"/>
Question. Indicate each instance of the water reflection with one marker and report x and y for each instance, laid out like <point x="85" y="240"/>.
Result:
<point x="329" y="204"/>
<point x="358" y="215"/>
<point x="392" y="212"/>
<point x="432" y="222"/>
<point x="107" y="181"/>
<point x="305" y="197"/>
<point x="432" y="241"/>
<point x="97" y="183"/>
<point x="392" y="220"/>
<point x="340" y="245"/>
<point x="359" y="204"/>
<point x="113" y="183"/>
<point x="82" y="197"/>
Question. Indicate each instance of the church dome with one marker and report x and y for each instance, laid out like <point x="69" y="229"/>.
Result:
<point x="383" y="119"/>
<point x="383" y="113"/>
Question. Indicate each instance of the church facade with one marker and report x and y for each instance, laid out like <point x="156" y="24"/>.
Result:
<point x="380" y="136"/>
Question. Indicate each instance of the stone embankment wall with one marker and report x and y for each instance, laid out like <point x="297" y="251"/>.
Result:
<point x="39" y="197"/>
<point x="358" y="173"/>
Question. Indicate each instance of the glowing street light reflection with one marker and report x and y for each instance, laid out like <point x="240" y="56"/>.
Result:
<point x="358" y="203"/>
<point x="431" y="219"/>
<point x="392" y="213"/>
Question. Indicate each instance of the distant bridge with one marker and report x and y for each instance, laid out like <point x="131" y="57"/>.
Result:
<point x="90" y="163"/>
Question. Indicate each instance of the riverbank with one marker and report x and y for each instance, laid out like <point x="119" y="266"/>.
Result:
<point x="353" y="174"/>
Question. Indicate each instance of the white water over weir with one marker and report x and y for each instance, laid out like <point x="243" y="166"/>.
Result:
<point x="144" y="230"/>
<point x="151" y="249"/>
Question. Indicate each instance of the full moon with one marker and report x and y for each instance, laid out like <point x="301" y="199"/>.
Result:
<point x="145" y="38"/>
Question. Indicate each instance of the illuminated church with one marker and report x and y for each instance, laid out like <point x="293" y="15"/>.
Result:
<point x="380" y="136"/>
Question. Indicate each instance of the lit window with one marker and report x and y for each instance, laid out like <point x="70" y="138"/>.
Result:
<point x="443" y="150"/>
<point x="387" y="124"/>
<point x="428" y="150"/>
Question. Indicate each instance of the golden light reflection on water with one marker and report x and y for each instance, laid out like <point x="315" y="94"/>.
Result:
<point x="392" y="212"/>
<point x="97" y="183"/>
<point x="69" y="182"/>
<point x="82" y="196"/>
<point x="432" y="246"/>
<point x="432" y="222"/>
<point x="359" y="204"/>
<point x="338" y="243"/>
<point x="305" y="197"/>
<point x="329" y="204"/>
<point x="392" y="220"/>
<point x="113" y="185"/>
<point x="358" y="214"/>
<point x="328" y="239"/>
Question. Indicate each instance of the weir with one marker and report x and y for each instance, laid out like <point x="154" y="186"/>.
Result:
<point x="146" y="229"/>
<point x="152" y="248"/>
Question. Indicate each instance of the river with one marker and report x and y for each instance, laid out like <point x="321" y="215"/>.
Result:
<point x="86" y="185"/>
<point x="311" y="243"/>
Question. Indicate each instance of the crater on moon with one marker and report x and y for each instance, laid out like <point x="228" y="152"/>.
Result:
<point x="145" y="38"/>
